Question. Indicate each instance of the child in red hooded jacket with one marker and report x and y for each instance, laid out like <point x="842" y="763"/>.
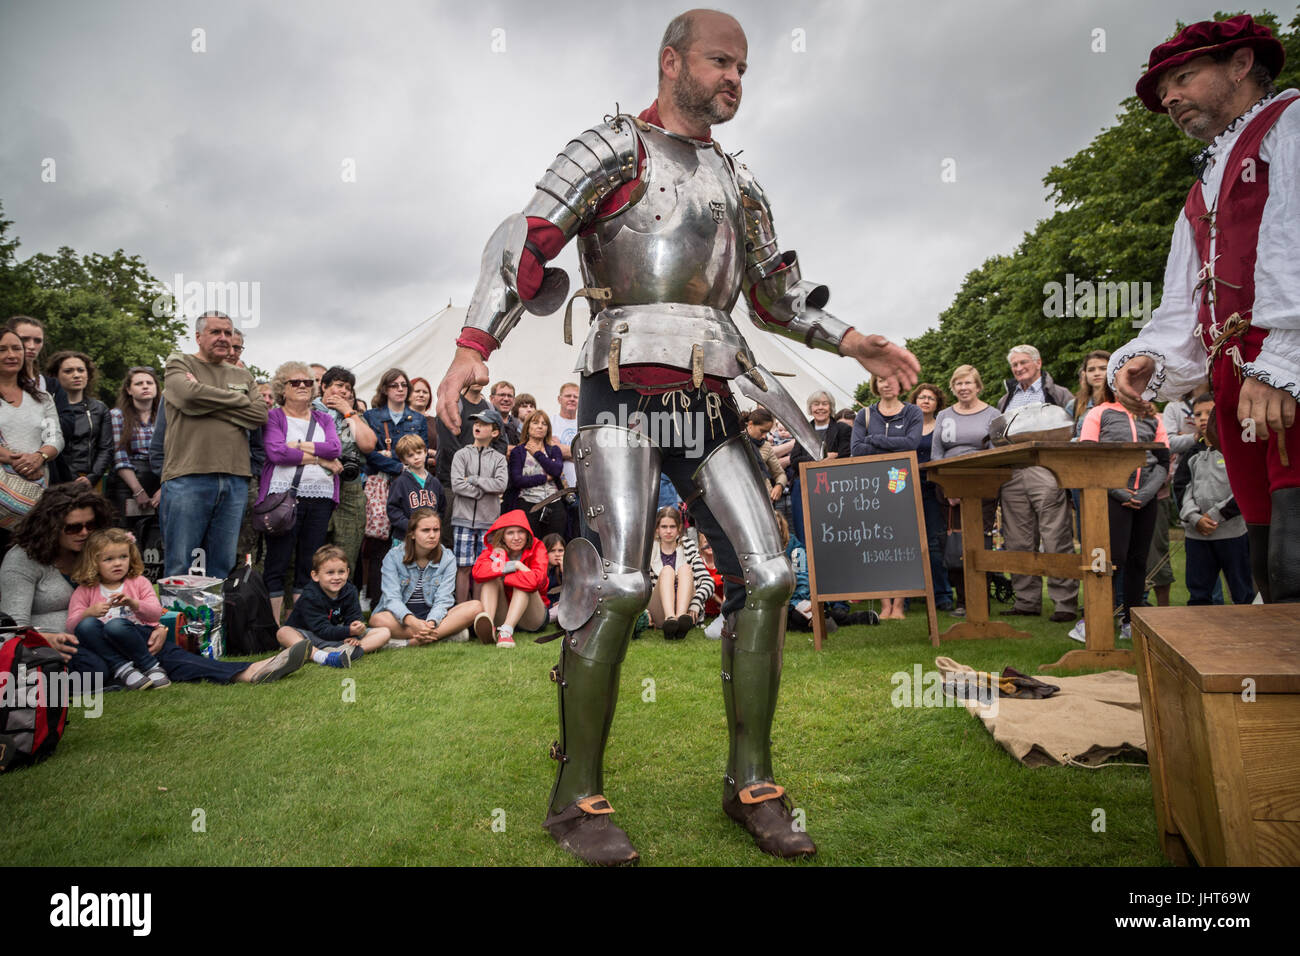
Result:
<point x="511" y="573"/>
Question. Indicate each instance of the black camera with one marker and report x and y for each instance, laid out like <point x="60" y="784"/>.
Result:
<point x="351" y="466"/>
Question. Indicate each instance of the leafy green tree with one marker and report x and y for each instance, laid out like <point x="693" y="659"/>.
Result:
<point x="98" y="304"/>
<point x="1116" y="202"/>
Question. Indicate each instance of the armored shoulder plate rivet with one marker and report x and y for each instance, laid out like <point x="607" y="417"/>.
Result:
<point x="621" y="327"/>
<point x="606" y="564"/>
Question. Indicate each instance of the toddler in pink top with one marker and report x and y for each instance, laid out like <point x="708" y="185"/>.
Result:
<point x="114" y="611"/>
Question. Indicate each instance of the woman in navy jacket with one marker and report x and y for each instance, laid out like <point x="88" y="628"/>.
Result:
<point x="535" y="467"/>
<point x="890" y="425"/>
<point x="391" y="418"/>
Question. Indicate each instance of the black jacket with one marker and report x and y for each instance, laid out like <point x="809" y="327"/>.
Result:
<point x="87" y="439"/>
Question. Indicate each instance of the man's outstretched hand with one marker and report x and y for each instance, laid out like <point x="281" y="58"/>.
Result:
<point x="466" y="369"/>
<point x="1132" y="379"/>
<point x="882" y="358"/>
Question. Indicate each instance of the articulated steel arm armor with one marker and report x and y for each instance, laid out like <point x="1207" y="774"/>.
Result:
<point x="772" y="278"/>
<point x="569" y="194"/>
<point x="668" y="265"/>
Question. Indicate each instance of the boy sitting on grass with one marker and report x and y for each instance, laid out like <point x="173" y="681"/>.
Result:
<point x="414" y="488"/>
<point x="328" y="614"/>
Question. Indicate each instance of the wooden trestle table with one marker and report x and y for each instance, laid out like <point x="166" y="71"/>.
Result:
<point x="1092" y="467"/>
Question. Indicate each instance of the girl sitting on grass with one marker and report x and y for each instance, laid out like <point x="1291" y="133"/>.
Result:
<point x="511" y="572"/>
<point x="554" y="570"/>
<point x="677" y="598"/>
<point x="115" y="610"/>
<point x="419" y="588"/>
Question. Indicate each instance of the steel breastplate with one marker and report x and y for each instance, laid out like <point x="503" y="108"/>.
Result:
<point x="682" y="241"/>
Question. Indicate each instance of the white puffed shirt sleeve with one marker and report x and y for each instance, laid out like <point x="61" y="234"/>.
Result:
<point x="1277" y="260"/>
<point x="1170" y="336"/>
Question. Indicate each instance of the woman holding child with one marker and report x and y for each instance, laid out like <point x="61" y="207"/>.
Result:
<point x="38" y="587"/>
<point x="419" y="587"/>
<point x="302" y="450"/>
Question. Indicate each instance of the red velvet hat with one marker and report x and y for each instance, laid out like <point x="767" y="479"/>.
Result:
<point x="1200" y="39"/>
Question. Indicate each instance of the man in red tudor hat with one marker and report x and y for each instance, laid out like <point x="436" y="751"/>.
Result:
<point x="1231" y="305"/>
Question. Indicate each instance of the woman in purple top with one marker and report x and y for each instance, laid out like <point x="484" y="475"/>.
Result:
<point x="890" y="425"/>
<point x="535" y="466"/>
<point x="296" y="435"/>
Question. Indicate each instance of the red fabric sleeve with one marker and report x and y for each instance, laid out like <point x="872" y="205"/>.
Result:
<point x="479" y="341"/>
<point x="483" y="569"/>
<point x="533" y="577"/>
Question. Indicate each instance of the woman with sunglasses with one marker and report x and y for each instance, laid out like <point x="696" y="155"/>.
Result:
<point x="38" y="587"/>
<point x="390" y="417"/>
<point x="298" y="437"/>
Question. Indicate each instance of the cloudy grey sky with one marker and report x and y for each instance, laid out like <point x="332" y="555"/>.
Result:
<point x="231" y="164"/>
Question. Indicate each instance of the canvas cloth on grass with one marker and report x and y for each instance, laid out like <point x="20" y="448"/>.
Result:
<point x="1094" y="719"/>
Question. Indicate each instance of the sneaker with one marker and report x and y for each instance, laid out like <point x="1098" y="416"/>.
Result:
<point x="959" y="611"/>
<point x="460" y="637"/>
<point x="354" y="651"/>
<point x="484" y="629"/>
<point x="132" y="679"/>
<point x="338" y="659"/>
<point x="714" y="631"/>
<point x="157" y="676"/>
<point x="671" y="629"/>
<point x="286" y="662"/>
<point x="505" y="639"/>
<point x="396" y="642"/>
<point x="685" y="624"/>
<point x="1126" y="632"/>
<point x="1078" y="633"/>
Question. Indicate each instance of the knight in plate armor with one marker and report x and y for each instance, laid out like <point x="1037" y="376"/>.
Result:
<point x="672" y="231"/>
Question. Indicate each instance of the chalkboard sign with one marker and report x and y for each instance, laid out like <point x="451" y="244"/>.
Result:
<point x="865" y="530"/>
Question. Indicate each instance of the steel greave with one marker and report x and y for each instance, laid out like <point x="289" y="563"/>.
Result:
<point x="753" y="637"/>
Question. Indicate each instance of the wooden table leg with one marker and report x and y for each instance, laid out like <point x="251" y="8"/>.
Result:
<point x="977" y="624"/>
<point x="1097" y="588"/>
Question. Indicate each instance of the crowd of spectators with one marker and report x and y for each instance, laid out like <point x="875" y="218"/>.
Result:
<point x="445" y="535"/>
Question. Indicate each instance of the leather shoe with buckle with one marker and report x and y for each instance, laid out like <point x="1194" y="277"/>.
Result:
<point x="584" y="829"/>
<point x="764" y="810"/>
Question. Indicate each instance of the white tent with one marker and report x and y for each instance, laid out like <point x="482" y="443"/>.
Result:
<point x="535" y="359"/>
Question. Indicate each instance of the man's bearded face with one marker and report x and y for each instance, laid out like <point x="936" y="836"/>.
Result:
<point x="701" y="102"/>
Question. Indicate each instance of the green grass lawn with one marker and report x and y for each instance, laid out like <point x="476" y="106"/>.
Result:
<point x="441" y="760"/>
